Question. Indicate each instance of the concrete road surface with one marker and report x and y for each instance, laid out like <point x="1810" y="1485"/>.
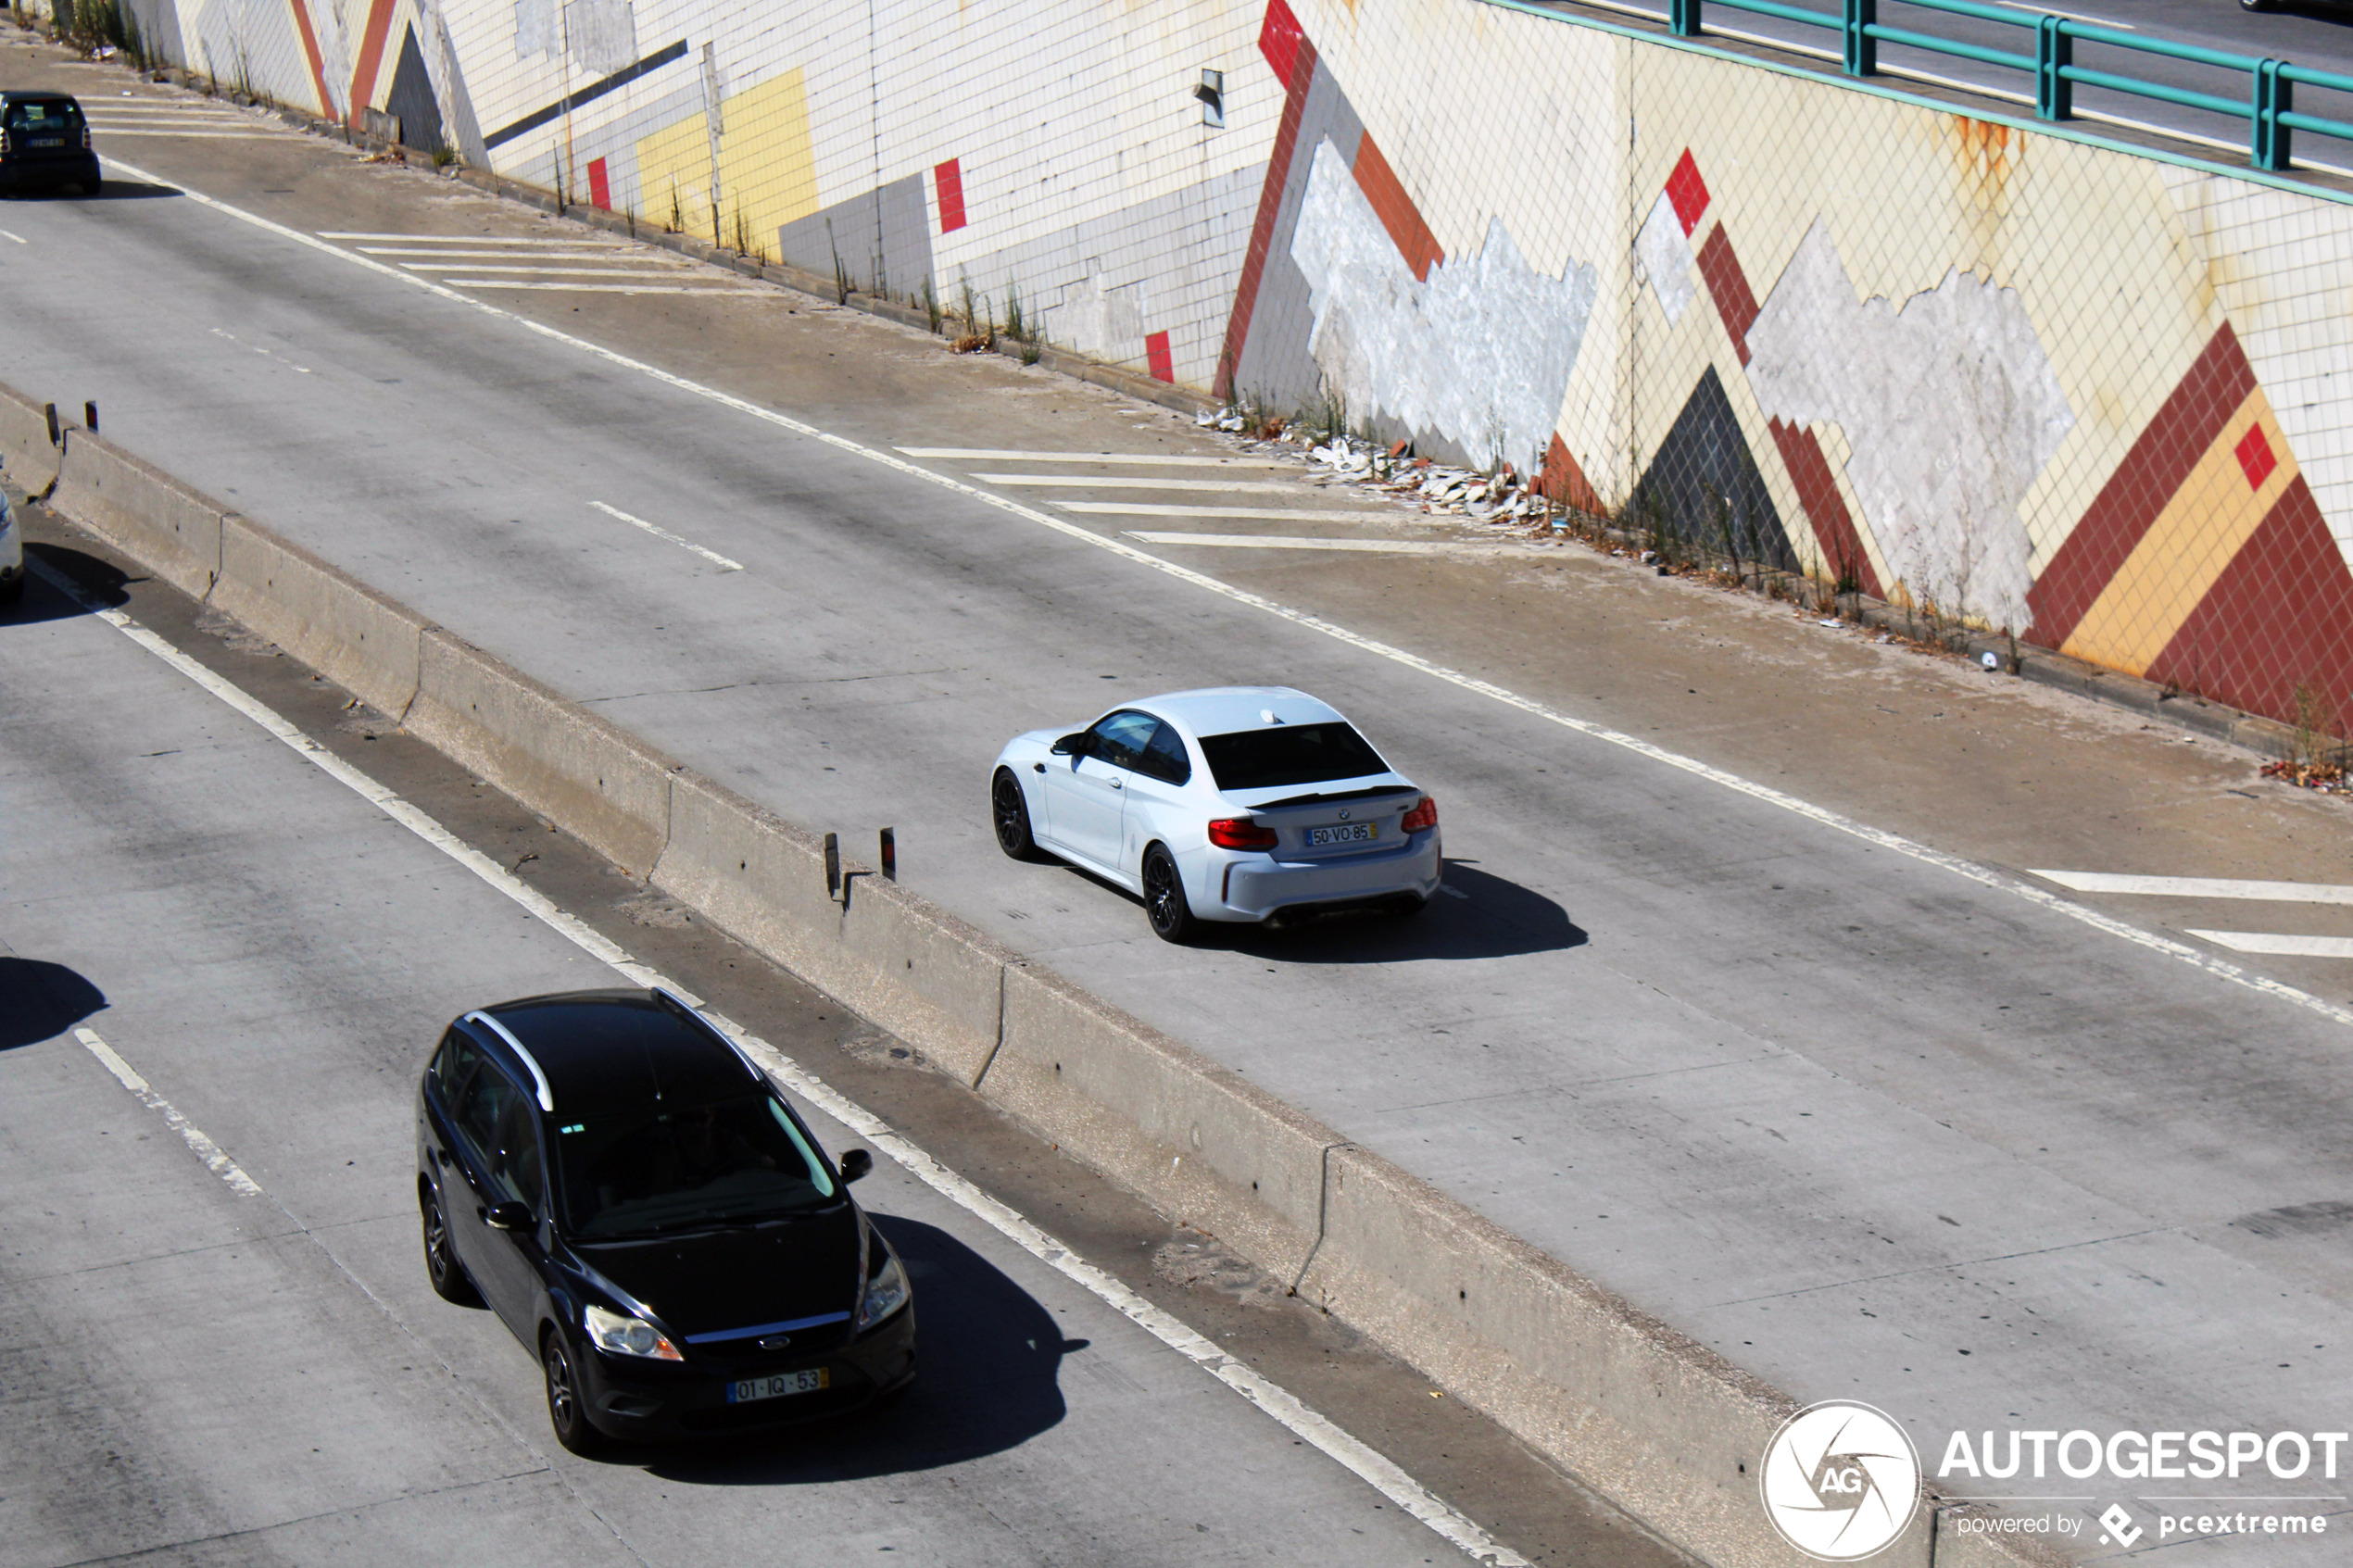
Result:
<point x="1894" y="1119"/>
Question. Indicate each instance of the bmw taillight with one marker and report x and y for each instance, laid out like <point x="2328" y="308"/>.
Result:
<point x="1423" y="815"/>
<point x="1241" y="833"/>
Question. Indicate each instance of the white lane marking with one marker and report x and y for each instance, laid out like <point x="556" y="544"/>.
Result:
<point x="204" y="1147"/>
<point x="630" y="268"/>
<point x="618" y="253"/>
<point x="1820" y="816"/>
<point x="1283" y="542"/>
<point x="266" y="354"/>
<point x="1350" y="1453"/>
<point x="19" y="238"/>
<point x="2295" y="947"/>
<point x="2070" y="16"/>
<point x="2200" y="887"/>
<point x="712" y="555"/>
<point x="714" y="287"/>
<point x="1277" y="514"/>
<point x="993" y="455"/>
<point x="455" y="239"/>
<point x="1129" y="482"/>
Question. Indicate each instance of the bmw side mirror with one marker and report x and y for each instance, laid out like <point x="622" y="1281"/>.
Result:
<point x="855" y="1162"/>
<point x="1072" y="745"/>
<point x="510" y="1216"/>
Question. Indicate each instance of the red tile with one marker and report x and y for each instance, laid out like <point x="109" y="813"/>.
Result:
<point x="1279" y="38"/>
<point x="1565" y="481"/>
<point x="949" y="178"/>
<point x="2256" y="459"/>
<point x="1688" y="191"/>
<point x="1825" y="508"/>
<point x="1156" y="354"/>
<point x="1728" y="285"/>
<point x="1396" y="209"/>
<point x="599" y="185"/>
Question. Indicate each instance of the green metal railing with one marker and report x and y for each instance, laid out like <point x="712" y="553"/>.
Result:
<point x="2269" y="107"/>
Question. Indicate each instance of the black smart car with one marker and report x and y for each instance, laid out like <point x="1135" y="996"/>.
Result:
<point x="44" y="142"/>
<point x="630" y="1195"/>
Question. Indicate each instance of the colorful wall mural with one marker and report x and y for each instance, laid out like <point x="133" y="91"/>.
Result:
<point x="2099" y="399"/>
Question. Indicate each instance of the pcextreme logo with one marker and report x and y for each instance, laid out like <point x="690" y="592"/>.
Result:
<point x="1839" y="1480"/>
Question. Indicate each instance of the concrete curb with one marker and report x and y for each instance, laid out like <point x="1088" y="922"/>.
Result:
<point x="1664" y="1426"/>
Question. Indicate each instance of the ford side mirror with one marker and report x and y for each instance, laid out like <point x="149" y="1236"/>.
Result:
<point x="1073" y="746"/>
<point x="855" y="1162"/>
<point x="510" y="1216"/>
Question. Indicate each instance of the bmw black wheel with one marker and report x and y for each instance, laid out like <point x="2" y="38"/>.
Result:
<point x="449" y="1276"/>
<point x="565" y="1412"/>
<point x="1011" y="812"/>
<point x="1165" y="902"/>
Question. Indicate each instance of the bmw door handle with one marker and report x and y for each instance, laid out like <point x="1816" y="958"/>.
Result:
<point x="1037" y="767"/>
<point x="1114" y="784"/>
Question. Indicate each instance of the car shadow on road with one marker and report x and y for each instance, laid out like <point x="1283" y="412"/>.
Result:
<point x="40" y="1000"/>
<point x="112" y="190"/>
<point x="991" y="1356"/>
<point x="1475" y="915"/>
<point x="102" y="587"/>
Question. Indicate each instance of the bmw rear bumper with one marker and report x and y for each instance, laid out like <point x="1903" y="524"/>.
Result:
<point x="1254" y="885"/>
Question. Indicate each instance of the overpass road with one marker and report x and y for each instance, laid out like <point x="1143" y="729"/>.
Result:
<point x="246" y="1364"/>
<point x="1874" y="1116"/>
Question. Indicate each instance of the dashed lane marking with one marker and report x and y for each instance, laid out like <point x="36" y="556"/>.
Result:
<point x="2200" y="887"/>
<point x="993" y="455"/>
<point x="712" y="555"/>
<point x="1957" y="865"/>
<point x="1349" y="1452"/>
<point x="204" y="1147"/>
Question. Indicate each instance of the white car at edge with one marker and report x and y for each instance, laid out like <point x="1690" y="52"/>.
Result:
<point x="1233" y="804"/>
<point x="11" y="553"/>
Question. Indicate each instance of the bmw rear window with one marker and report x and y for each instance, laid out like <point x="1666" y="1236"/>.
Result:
<point x="1283" y="755"/>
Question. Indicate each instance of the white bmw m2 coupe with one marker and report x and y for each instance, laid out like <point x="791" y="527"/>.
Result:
<point x="1236" y="804"/>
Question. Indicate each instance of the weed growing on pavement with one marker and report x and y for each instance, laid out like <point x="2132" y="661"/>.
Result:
<point x="841" y="273"/>
<point x="931" y="304"/>
<point x="678" y="219"/>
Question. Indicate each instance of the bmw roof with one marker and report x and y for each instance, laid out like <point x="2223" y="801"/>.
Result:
<point x="614" y="1049"/>
<point x="1219" y="711"/>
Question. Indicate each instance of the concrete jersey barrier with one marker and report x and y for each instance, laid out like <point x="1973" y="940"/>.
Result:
<point x="1665" y="1427"/>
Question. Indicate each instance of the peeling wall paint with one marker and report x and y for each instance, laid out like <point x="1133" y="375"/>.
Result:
<point x="1663" y="259"/>
<point x="1480" y="354"/>
<point x="1950" y="408"/>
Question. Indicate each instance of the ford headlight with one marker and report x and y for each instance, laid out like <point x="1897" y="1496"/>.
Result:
<point x="885" y="1293"/>
<point x="621" y="1335"/>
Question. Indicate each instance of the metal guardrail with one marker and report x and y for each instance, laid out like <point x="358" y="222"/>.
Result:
<point x="2269" y="107"/>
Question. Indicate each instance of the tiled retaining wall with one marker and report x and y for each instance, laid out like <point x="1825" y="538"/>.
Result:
<point x="2082" y="394"/>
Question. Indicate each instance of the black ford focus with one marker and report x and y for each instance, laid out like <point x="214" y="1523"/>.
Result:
<point x="634" y="1199"/>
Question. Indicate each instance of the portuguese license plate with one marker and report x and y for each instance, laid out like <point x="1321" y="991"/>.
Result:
<point x="46" y="141"/>
<point x="745" y="1390"/>
<point x="1345" y="833"/>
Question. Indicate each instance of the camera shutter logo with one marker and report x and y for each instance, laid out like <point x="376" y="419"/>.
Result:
<point x="1840" y="1481"/>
